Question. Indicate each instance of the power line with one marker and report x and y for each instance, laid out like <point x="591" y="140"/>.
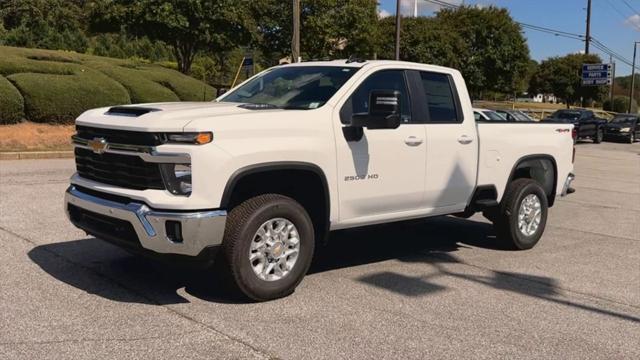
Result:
<point x="614" y="7"/>
<point x="598" y="44"/>
<point x="631" y="7"/>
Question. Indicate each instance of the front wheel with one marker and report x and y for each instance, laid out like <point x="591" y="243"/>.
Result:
<point x="599" y="136"/>
<point x="522" y="214"/>
<point x="268" y="246"/>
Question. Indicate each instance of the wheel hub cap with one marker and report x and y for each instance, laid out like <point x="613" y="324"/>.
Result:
<point x="529" y="215"/>
<point x="274" y="249"/>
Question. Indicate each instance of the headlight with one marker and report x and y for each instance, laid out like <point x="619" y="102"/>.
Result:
<point x="177" y="178"/>
<point x="627" y="129"/>
<point x="198" y="138"/>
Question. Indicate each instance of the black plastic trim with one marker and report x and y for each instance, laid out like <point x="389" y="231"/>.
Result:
<point x="550" y="197"/>
<point x="275" y="166"/>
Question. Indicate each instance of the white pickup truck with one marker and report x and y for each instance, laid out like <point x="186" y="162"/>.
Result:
<point x="258" y="178"/>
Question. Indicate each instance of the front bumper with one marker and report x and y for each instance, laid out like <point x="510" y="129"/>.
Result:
<point x="135" y="224"/>
<point x="566" y="188"/>
<point x="617" y="135"/>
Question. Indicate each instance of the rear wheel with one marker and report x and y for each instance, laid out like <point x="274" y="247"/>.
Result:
<point x="599" y="136"/>
<point x="522" y="214"/>
<point x="268" y="246"/>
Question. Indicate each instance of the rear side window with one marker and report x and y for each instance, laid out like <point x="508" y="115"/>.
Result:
<point x="440" y="97"/>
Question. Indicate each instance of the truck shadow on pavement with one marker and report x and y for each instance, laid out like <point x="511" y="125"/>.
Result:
<point x="99" y="268"/>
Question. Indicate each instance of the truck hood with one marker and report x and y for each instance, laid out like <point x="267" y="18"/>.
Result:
<point x="158" y="117"/>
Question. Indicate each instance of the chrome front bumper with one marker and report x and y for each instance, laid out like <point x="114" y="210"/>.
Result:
<point x="200" y="229"/>
<point x="567" y="189"/>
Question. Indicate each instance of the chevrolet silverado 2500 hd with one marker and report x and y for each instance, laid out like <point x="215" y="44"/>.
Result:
<point x="261" y="175"/>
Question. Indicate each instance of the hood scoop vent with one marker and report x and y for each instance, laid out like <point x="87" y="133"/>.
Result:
<point x="132" y="111"/>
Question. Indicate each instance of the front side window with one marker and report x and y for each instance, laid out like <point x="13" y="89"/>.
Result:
<point x="382" y="80"/>
<point x="292" y="87"/>
<point x="442" y="105"/>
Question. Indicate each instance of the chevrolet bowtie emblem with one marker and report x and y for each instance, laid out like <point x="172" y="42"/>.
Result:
<point x="98" y="145"/>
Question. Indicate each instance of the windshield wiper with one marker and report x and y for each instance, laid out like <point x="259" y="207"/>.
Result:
<point x="251" y="106"/>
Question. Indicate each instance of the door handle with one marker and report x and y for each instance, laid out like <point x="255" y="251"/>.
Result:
<point x="464" y="139"/>
<point x="413" y="141"/>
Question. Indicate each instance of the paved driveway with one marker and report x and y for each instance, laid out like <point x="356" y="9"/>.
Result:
<point x="426" y="289"/>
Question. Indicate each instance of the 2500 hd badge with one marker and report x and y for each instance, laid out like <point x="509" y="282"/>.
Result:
<point x="362" y="177"/>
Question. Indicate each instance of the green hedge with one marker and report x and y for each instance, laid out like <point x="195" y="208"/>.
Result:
<point x="57" y="86"/>
<point x="11" y="103"/>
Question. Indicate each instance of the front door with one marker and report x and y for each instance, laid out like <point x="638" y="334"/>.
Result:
<point x="383" y="172"/>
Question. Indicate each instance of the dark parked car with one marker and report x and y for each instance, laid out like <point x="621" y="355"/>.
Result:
<point x="623" y="126"/>
<point x="515" y="115"/>
<point x="586" y="123"/>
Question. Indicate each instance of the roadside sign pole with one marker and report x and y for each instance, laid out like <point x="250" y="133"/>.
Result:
<point x="613" y="80"/>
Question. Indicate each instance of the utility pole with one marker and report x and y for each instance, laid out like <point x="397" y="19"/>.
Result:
<point x="398" y="16"/>
<point x="295" y="42"/>
<point x="587" y="37"/>
<point x="633" y="75"/>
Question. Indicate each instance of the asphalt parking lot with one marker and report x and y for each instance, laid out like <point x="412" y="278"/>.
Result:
<point x="438" y="288"/>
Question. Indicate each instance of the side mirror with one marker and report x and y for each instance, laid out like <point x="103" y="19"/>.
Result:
<point x="384" y="111"/>
<point x="222" y="91"/>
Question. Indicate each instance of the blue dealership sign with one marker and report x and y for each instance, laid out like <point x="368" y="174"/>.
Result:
<point x="596" y="74"/>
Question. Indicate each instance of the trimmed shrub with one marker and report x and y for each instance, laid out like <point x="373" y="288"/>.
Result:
<point x="57" y="86"/>
<point x="11" y="103"/>
<point x="54" y="98"/>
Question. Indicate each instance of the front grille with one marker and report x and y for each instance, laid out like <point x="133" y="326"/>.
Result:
<point x="120" y="136"/>
<point x="102" y="226"/>
<point x="127" y="171"/>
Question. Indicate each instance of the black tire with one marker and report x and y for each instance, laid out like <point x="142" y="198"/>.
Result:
<point x="599" y="136"/>
<point x="242" y="223"/>
<point x="506" y="220"/>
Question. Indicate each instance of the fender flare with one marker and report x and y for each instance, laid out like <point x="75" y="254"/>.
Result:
<point x="545" y="157"/>
<point x="276" y="166"/>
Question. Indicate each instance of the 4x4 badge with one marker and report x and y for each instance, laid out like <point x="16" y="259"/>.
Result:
<point x="98" y="145"/>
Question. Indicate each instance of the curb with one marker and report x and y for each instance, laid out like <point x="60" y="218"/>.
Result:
<point x="26" y="155"/>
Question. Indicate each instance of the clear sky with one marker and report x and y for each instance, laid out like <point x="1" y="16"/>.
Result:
<point x="615" y="23"/>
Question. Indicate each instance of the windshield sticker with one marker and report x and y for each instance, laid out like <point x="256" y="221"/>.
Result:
<point x="314" y="105"/>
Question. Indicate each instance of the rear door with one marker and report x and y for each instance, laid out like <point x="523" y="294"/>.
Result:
<point x="452" y="143"/>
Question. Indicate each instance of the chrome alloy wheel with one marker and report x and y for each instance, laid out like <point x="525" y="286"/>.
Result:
<point x="529" y="215"/>
<point x="274" y="249"/>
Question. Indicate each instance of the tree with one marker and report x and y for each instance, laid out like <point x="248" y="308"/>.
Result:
<point x="620" y="104"/>
<point x="188" y="26"/>
<point x="495" y="55"/>
<point x="329" y="28"/>
<point x="424" y="40"/>
<point x="47" y="24"/>
<point x="562" y="76"/>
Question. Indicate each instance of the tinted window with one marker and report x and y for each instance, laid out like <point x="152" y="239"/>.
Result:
<point x="442" y="106"/>
<point x="624" y="119"/>
<point x="382" y="80"/>
<point x="566" y="114"/>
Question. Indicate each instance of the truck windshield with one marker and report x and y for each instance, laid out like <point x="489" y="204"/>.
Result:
<point x="292" y="87"/>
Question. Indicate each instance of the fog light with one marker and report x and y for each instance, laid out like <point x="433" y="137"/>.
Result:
<point x="177" y="178"/>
